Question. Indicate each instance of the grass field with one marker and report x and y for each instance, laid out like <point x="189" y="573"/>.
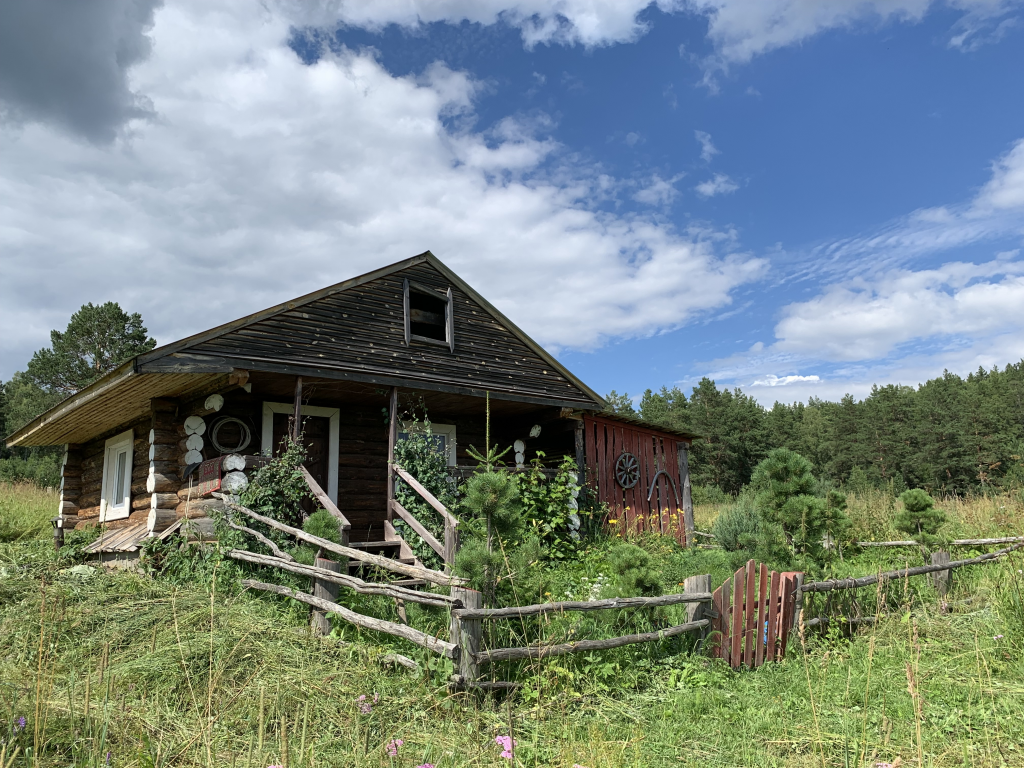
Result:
<point x="124" y="670"/>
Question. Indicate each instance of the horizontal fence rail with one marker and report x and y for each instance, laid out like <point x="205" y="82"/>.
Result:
<point x="517" y="612"/>
<point x="545" y="651"/>
<point x="353" y="583"/>
<point x="866" y="581"/>
<point x="422" y="639"/>
<point x="413" y="571"/>
<point x="954" y="543"/>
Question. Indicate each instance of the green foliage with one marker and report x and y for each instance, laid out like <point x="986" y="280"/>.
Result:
<point x="493" y="499"/>
<point x="40" y="466"/>
<point x="920" y="519"/>
<point x="634" y="573"/>
<point x="23" y="400"/>
<point x="278" y="488"/>
<point x="26" y="511"/>
<point x="550" y="508"/>
<point x="742" y="528"/>
<point x="323" y="525"/>
<point x="97" y="340"/>
<point x="421" y="456"/>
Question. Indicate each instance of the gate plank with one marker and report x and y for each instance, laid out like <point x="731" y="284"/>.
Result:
<point x="788" y="606"/>
<point x="716" y="623"/>
<point x="749" y="614"/>
<point x="762" y="598"/>
<point x="774" y="596"/>
<point x="737" y="617"/>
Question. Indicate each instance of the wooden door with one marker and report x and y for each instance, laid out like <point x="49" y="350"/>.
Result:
<point x="316" y="437"/>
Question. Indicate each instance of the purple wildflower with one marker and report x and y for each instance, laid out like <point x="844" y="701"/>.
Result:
<point x="364" y="706"/>
<point x="19" y="724"/>
<point x="393" y="746"/>
<point x="507" y="744"/>
<point x="108" y="758"/>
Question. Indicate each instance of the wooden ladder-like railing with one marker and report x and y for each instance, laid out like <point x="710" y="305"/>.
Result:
<point x="450" y="547"/>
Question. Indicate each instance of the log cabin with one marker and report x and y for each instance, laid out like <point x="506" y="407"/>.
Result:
<point x="336" y="366"/>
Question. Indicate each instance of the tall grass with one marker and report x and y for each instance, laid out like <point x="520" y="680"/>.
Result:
<point x="26" y="510"/>
<point x="159" y="675"/>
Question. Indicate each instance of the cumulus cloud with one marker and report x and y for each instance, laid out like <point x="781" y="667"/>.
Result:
<point x="719" y="184"/>
<point x="658" y="191"/>
<point x="743" y="29"/>
<point x="67" y="63"/>
<point x="707" y="149"/>
<point x="262" y="178"/>
<point x="771" y="380"/>
<point x="866" y="320"/>
<point x="540" y="21"/>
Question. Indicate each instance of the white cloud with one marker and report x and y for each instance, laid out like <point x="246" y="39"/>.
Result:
<point x="589" y="22"/>
<point x="707" y="149"/>
<point x="658" y="191"/>
<point x="771" y="380"/>
<point x="880" y="317"/>
<point x="719" y="184"/>
<point x="743" y="29"/>
<point x="261" y="178"/>
<point x="867" y="320"/>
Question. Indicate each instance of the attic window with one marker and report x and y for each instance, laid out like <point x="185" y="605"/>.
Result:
<point x="428" y="315"/>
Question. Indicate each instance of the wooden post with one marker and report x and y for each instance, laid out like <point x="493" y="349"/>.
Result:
<point x="683" y="459"/>
<point x="799" y="598"/>
<point x="392" y="439"/>
<point x="698" y="585"/>
<point x="467" y="634"/>
<point x="325" y="590"/>
<point x="581" y="456"/>
<point x="451" y="545"/>
<point x="297" y="415"/>
<point x="941" y="578"/>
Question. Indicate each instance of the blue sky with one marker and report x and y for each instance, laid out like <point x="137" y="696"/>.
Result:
<point x="797" y="199"/>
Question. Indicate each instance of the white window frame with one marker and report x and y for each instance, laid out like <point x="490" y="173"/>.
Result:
<point x="448" y="430"/>
<point x="334" y="417"/>
<point x="113" y="509"/>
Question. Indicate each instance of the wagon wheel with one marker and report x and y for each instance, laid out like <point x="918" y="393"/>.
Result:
<point x="627" y="470"/>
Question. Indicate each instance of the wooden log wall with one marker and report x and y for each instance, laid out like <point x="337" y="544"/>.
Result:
<point x="89" y="479"/>
<point x="70" y="486"/>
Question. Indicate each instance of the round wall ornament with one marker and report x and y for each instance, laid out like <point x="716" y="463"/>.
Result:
<point x="627" y="470"/>
<point x="237" y="432"/>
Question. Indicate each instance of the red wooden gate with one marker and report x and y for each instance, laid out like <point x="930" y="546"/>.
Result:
<point x="754" y="615"/>
<point x="654" y="502"/>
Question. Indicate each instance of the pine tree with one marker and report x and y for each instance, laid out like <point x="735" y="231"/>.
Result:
<point x="97" y="340"/>
<point x="920" y="519"/>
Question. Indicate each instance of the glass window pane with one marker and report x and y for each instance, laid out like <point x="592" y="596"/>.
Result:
<point x="119" y="487"/>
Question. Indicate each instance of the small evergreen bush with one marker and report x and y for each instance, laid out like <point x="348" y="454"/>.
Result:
<point x="920" y="519"/>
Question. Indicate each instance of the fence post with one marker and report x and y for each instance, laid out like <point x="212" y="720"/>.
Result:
<point x="328" y="591"/>
<point x="941" y="578"/>
<point x="697" y="585"/>
<point x="451" y="544"/>
<point x="467" y="634"/>
<point x="798" y="608"/>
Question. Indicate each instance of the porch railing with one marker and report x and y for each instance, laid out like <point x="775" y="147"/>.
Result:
<point x="450" y="546"/>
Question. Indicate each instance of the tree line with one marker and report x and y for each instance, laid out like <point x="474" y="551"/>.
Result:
<point x="948" y="435"/>
<point x="97" y="339"/>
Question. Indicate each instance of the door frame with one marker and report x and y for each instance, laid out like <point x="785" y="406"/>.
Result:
<point x="334" y="417"/>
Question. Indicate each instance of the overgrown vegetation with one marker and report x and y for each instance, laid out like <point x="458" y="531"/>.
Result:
<point x="184" y="676"/>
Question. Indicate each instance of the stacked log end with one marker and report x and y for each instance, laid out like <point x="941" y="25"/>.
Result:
<point x="163" y="473"/>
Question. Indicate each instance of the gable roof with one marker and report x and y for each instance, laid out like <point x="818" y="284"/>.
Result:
<point x="209" y="355"/>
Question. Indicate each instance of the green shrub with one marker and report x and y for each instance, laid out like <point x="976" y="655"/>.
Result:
<point x="742" y="528"/>
<point x="634" y="574"/>
<point x="550" y="507"/>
